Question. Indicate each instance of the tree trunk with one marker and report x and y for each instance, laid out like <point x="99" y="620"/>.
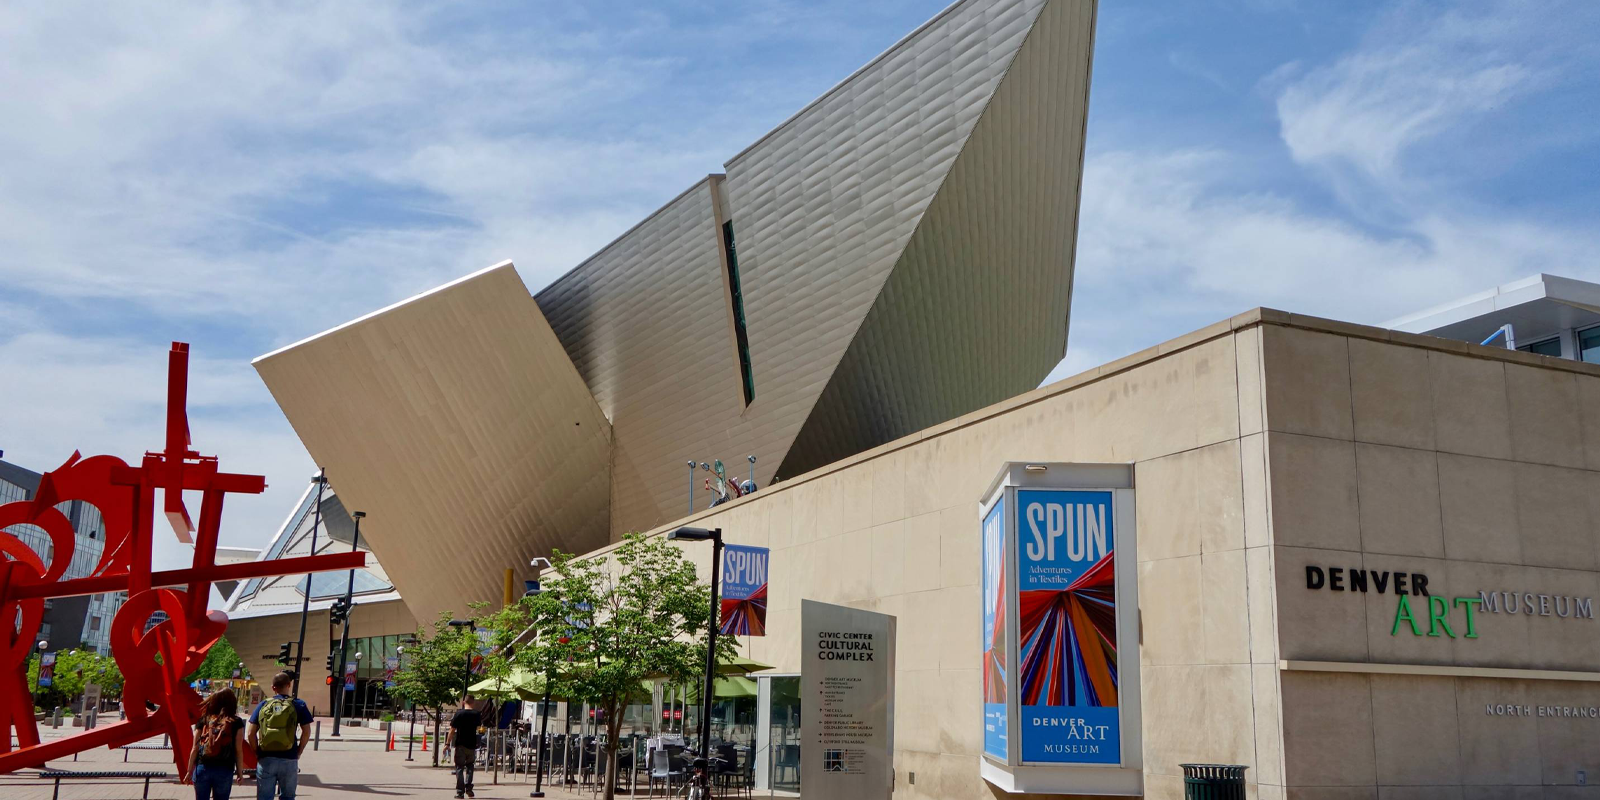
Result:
<point x="438" y="720"/>
<point x="613" y="730"/>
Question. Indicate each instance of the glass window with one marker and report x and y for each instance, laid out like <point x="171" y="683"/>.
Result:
<point x="1548" y="347"/>
<point x="1589" y="345"/>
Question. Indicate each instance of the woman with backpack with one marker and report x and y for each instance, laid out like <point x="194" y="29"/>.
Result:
<point x="217" y="758"/>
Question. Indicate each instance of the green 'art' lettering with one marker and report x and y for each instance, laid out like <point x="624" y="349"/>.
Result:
<point x="1467" y="602"/>
<point x="1403" y="612"/>
<point x="1437" y="609"/>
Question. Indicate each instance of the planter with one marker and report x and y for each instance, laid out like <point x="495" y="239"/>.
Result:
<point x="384" y="726"/>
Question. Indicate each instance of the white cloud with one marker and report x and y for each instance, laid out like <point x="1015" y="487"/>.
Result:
<point x="1167" y="246"/>
<point x="1418" y="75"/>
<point x="1178" y="239"/>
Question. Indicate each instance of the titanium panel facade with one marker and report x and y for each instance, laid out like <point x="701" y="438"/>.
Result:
<point x="975" y="309"/>
<point x="645" y="321"/>
<point x="457" y="422"/>
<point x="904" y="247"/>
<point x="825" y="206"/>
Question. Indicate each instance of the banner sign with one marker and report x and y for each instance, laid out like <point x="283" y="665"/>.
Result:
<point x="744" y="590"/>
<point x="47" y="670"/>
<point x="350" y="677"/>
<point x="1067" y="615"/>
<point x="994" y="626"/>
<point x="846" y="702"/>
<point x="1060" y="636"/>
<point x="390" y="667"/>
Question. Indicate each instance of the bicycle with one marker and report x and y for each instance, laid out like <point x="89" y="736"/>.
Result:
<point x="697" y="786"/>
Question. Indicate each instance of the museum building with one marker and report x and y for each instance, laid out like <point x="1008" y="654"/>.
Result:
<point x="1359" y="562"/>
<point x="1366" y="563"/>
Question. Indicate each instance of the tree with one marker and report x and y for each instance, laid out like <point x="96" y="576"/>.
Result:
<point x="220" y="663"/>
<point x="605" y="625"/>
<point x="433" y="673"/>
<point x="75" y="669"/>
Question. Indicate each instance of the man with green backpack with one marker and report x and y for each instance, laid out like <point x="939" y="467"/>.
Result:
<point x="273" y="729"/>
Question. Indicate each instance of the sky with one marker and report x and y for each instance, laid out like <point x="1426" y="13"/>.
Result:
<point x="243" y="176"/>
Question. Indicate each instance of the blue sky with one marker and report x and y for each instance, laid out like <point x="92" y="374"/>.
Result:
<point x="242" y="177"/>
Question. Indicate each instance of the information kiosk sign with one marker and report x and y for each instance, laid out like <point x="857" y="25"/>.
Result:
<point x="1059" y="639"/>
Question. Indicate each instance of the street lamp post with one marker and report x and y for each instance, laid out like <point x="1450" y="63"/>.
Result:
<point x="344" y="638"/>
<point x="700" y="535"/>
<point x="411" y="738"/>
<point x="321" y="480"/>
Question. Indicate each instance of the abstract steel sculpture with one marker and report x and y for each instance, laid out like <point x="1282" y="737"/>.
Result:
<point x="126" y="498"/>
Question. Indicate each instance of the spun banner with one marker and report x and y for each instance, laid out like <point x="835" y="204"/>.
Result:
<point x="994" y="631"/>
<point x="350" y="677"/>
<point x="47" y="669"/>
<point x="390" y="667"/>
<point x="1067" y="626"/>
<point x="744" y="590"/>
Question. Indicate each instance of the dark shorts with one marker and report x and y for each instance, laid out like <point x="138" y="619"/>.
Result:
<point x="465" y="756"/>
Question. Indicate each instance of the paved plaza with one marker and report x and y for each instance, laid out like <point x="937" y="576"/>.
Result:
<point x="354" y="767"/>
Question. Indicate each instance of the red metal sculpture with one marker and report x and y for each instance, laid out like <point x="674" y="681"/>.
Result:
<point x="126" y="499"/>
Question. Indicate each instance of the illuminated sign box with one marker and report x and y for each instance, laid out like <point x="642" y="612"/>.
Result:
<point x="1059" y="637"/>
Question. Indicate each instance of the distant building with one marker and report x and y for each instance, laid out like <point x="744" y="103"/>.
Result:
<point x="68" y="621"/>
<point x="265" y="612"/>
<point x="1546" y="315"/>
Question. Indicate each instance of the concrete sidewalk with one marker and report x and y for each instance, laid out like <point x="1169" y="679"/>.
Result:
<point x="356" y="767"/>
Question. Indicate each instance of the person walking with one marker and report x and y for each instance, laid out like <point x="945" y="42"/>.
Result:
<point x="464" y="736"/>
<point x="272" y="734"/>
<point x="217" y="758"/>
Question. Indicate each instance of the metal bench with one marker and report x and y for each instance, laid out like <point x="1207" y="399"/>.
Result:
<point x="59" y="775"/>
<point x="125" y="748"/>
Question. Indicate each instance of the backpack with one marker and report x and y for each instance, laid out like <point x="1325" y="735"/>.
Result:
<point x="214" y="739"/>
<point x="276" y="721"/>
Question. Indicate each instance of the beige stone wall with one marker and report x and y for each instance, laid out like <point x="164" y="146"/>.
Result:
<point x="896" y="530"/>
<point x="1260" y="444"/>
<point x="1475" y="466"/>
<point x="254" y="637"/>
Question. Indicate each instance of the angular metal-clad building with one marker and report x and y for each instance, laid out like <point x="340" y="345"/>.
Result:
<point x="896" y="254"/>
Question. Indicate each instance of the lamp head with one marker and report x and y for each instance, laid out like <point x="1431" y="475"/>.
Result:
<point x="694" y="534"/>
<point x="358" y="514"/>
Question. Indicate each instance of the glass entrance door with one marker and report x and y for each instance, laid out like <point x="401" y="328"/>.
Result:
<point x="777" y="762"/>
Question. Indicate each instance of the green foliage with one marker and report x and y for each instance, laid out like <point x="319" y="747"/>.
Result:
<point x="433" y="669"/>
<point x="600" y="627"/>
<point x="75" y="668"/>
<point x="220" y="663"/>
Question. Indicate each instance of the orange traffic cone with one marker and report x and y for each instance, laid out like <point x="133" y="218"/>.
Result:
<point x="424" y="742"/>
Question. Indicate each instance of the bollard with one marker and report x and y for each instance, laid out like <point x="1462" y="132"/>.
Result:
<point x="1213" y="781"/>
<point x="55" y="718"/>
<point x="316" y="743"/>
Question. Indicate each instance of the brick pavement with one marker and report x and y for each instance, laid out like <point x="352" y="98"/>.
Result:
<point x="356" y="768"/>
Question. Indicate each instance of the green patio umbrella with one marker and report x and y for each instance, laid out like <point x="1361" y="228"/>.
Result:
<point x="738" y="665"/>
<point x="729" y="688"/>
<point x="520" y="683"/>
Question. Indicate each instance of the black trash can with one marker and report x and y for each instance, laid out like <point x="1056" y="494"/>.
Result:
<point x="1213" y="781"/>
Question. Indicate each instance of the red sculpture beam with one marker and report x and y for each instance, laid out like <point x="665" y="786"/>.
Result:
<point x="156" y="661"/>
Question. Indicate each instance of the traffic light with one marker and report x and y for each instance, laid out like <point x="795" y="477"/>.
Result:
<point x="328" y="681"/>
<point x="285" y="652"/>
<point x="340" y="611"/>
<point x="330" y="664"/>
